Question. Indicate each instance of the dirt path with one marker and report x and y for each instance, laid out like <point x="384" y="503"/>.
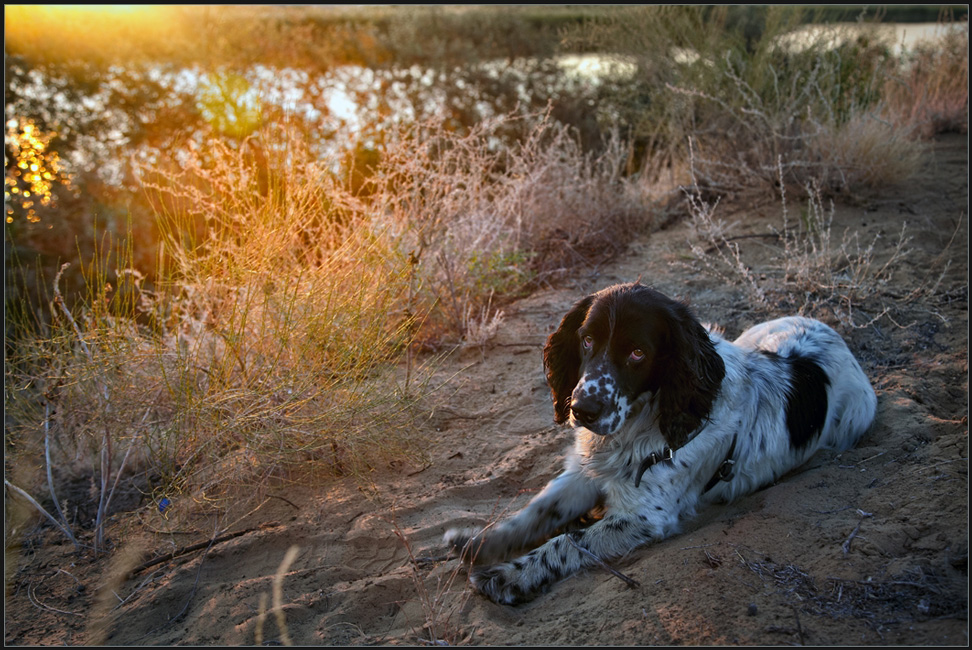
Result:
<point x="866" y="547"/>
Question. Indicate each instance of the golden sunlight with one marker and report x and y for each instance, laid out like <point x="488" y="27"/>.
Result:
<point x="58" y="31"/>
<point x="118" y="9"/>
<point x="18" y="15"/>
<point x="31" y="179"/>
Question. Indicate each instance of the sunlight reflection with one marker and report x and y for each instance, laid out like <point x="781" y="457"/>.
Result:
<point x="230" y="104"/>
<point x="31" y="175"/>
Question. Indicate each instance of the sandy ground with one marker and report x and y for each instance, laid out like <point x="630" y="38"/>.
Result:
<point x="866" y="547"/>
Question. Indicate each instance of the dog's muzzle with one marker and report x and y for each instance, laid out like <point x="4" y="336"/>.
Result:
<point x="586" y="410"/>
<point x="595" y="405"/>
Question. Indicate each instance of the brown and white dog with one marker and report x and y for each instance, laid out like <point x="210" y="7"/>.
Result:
<point x="667" y="416"/>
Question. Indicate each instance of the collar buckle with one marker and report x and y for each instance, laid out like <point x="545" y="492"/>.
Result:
<point x="725" y="471"/>
<point x="667" y="454"/>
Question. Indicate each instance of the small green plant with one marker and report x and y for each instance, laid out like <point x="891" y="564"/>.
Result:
<point x="501" y="272"/>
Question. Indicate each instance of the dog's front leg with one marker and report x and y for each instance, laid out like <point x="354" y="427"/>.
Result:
<point x="563" y="500"/>
<point x="522" y="579"/>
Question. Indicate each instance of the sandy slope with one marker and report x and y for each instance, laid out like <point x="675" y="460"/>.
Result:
<point x="866" y="547"/>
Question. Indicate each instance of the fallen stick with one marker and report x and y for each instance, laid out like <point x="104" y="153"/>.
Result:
<point x="195" y="547"/>
<point x="846" y="545"/>
<point x="631" y="582"/>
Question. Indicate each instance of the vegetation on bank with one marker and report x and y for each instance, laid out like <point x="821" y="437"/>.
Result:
<point x="319" y="37"/>
<point x="257" y="287"/>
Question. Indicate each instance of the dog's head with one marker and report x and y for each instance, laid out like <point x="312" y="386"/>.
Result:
<point x="626" y="348"/>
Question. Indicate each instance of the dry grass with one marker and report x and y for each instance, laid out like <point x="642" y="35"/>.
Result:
<point x="800" y="122"/>
<point x="442" y="593"/>
<point x="929" y="92"/>
<point x="483" y="222"/>
<point x="269" y="344"/>
<point x="263" y="351"/>
<point x="832" y="276"/>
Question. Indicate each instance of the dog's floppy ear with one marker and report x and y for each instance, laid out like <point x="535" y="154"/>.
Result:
<point x="561" y="358"/>
<point x="690" y="372"/>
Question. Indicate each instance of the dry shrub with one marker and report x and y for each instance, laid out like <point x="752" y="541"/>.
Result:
<point x="754" y="86"/>
<point x="282" y="321"/>
<point x="839" y="277"/>
<point x="268" y="344"/>
<point x="713" y="249"/>
<point x="929" y="93"/>
<point x="863" y="152"/>
<point x="483" y="222"/>
<point x="799" y="115"/>
<point x="263" y="349"/>
<point x="842" y="113"/>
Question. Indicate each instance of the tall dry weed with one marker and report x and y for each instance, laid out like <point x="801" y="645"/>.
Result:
<point x="840" y="276"/>
<point x="837" y="274"/>
<point x="482" y="222"/>
<point x="287" y="313"/>
<point x="269" y="342"/>
<point x="929" y="91"/>
<point x="263" y="348"/>
<point x="800" y="115"/>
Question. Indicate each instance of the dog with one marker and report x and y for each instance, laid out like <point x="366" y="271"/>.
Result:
<point x="668" y="416"/>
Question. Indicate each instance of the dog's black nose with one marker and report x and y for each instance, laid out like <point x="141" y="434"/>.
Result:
<point x="586" y="410"/>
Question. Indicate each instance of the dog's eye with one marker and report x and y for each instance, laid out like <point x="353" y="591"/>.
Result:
<point x="636" y="355"/>
<point x="588" y="342"/>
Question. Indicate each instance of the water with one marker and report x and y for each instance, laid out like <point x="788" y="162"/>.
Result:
<point x="340" y="106"/>
<point x="901" y="37"/>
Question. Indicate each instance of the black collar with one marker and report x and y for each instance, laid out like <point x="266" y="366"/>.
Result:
<point x="723" y="473"/>
<point x="652" y="459"/>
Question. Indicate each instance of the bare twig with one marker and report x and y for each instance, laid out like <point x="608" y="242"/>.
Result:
<point x="796" y="615"/>
<point x="50" y="476"/>
<point x="437" y="604"/>
<point x="846" y="545"/>
<point x="20" y="492"/>
<point x="631" y="582"/>
<point x="32" y="597"/>
<point x="195" y="547"/>
<point x="59" y="301"/>
<point x="195" y="584"/>
<point x="260" y="620"/>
